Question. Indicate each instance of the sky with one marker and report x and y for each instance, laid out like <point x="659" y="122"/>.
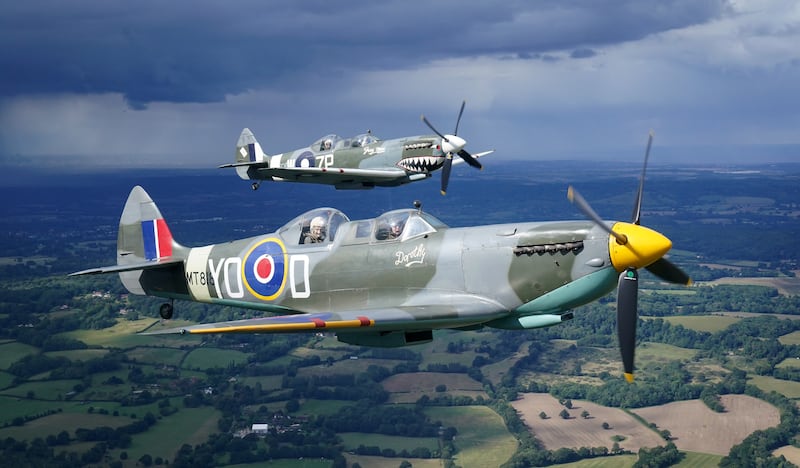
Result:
<point x="112" y="83"/>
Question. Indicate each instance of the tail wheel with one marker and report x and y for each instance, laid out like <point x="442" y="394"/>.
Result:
<point x="165" y="311"/>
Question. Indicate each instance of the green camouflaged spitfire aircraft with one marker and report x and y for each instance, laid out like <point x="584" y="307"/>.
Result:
<point x="392" y="280"/>
<point x="361" y="162"/>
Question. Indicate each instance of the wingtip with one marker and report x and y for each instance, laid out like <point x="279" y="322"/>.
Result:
<point x="629" y="377"/>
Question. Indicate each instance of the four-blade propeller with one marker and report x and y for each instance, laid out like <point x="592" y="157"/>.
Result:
<point x="631" y="247"/>
<point x="453" y="144"/>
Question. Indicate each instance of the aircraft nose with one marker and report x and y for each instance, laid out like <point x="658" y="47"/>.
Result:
<point x="644" y="246"/>
<point x="453" y="144"/>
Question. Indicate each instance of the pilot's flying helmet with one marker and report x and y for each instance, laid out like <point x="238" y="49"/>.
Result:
<point x="318" y="221"/>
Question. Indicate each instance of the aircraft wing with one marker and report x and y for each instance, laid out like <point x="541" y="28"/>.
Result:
<point x="323" y="175"/>
<point x="148" y="265"/>
<point x="422" y="317"/>
<point x="457" y="161"/>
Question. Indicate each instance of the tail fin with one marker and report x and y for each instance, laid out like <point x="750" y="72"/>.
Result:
<point x="149" y="261"/>
<point x="143" y="232"/>
<point x="248" y="152"/>
<point x="144" y="240"/>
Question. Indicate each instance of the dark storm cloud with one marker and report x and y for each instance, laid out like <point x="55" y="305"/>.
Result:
<point x="201" y="51"/>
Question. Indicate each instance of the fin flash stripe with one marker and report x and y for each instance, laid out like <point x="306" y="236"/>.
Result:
<point x="157" y="239"/>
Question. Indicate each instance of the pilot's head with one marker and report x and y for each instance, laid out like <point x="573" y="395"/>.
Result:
<point x="317" y="228"/>
<point x="395" y="228"/>
<point x="328" y="144"/>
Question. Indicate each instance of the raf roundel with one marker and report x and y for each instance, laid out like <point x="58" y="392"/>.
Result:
<point x="264" y="269"/>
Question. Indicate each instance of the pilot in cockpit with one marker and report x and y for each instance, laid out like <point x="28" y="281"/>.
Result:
<point x="395" y="229"/>
<point x="316" y="231"/>
<point x="326" y="145"/>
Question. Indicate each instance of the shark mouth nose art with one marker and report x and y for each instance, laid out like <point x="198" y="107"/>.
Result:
<point x="421" y="163"/>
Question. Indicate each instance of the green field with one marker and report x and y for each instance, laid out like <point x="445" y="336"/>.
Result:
<point x="381" y="462"/>
<point x="208" y="358"/>
<point x="268" y="382"/>
<point x="12" y="407"/>
<point x="347" y="366"/>
<point x="482" y="439"/>
<point x="792" y="338"/>
<point x="659" y="352"/>
<point x="788" y="388"/>
<point x="53" y="424"/>
<point x="617" y="461"/>
<point x="13" y="352"/>
<point x="188" y="426"/>
<point x="124" y="335"/>
<point x="789" y="362"/>
<point x="302" y="463"/>
<point x="322" y="407"/>
<point x="703" y="323"/>
<point x="78" y="354"/>
<point x="698" y="460"/>
<point x="323" y="353"/>
<point x="352" y="440"/>
<point x="46" y="390"/>
<point x="160" y="356"/>
<point x="6" y="379"/>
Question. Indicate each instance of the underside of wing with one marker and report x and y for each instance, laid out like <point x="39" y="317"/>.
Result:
<point x="333" y="174"/>
<point x="405" y="318"/>
<point x="325" y="175"/>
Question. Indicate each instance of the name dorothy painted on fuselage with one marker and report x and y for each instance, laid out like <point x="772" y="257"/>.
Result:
<point x="414" y="257"/>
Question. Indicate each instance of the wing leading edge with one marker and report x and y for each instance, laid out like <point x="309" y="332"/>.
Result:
<point x="391" y="319"/>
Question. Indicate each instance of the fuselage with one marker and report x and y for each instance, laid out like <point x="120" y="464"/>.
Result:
<point x="418" y="154"/>
<point x="357" y="267"/>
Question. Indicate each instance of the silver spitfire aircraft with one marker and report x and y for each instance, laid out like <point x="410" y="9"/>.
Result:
<point x="392" y="280"/>
<point x="361" y="162"/>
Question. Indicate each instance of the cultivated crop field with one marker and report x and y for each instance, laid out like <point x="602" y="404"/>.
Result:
<point x="703" y="323"/>
<point x="792" y="338"/>
<point x="618" y="461"/>
<point x="381" y="462"/>
<point x="352" y="440"/>
<point x="53" y="424"/>
<point x="208" y="358"/>
<point x="408" y="388"/>
<point x="785" y="387"/>
<point x="575" y="432"/>
<point x="188" y="426"/>
<point x="125" y="335"/>
<point x="785" y="285"/>
<point x="482" y="439"/>
<point x="790" y="453"/>
<point x="697" y="428"/>
<point x="347" y="366"/>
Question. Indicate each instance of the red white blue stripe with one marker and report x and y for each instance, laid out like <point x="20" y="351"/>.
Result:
<point x="157" y="239"/>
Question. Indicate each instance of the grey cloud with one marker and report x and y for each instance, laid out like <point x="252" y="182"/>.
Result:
<point x="582" y="53"/>
<point x="204" y="50"/>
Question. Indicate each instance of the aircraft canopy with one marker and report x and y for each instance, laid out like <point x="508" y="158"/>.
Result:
<point x="335" y="142"/>
<point x="405" y="224"/>
<point x="299" y="230"/>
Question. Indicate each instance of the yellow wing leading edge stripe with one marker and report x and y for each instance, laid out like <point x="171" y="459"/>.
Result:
<point x="313" y="324"/>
